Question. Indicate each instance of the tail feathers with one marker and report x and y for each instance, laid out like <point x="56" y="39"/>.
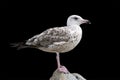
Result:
<point x="19" y="45"/>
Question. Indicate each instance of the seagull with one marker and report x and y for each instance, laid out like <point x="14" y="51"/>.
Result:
<point x="58" y="39"/>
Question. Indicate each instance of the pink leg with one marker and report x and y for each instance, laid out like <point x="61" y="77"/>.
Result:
<point x="60" y="68"/>
<point x="58" y="59"/>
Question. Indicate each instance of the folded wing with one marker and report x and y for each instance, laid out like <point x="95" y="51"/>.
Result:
<point x="50" y="36"/>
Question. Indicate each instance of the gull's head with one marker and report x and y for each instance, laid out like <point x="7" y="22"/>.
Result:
<point x="76" y="20"/>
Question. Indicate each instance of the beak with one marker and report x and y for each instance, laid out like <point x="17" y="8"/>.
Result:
<point x="86" y="21"/>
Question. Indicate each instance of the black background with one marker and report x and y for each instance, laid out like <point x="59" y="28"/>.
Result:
<point x="4" y="4"/>
<point x="95" y="58"/>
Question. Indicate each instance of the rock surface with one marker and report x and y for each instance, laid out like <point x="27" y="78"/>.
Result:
<point x="57" y="75"/>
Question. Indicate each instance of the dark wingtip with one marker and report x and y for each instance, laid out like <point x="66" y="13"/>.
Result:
<point x="19" y="45"/>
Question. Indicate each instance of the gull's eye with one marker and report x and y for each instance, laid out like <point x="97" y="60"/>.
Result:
<point x="75" y="18"/>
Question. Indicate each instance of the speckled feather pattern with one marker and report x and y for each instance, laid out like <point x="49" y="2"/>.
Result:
<point x="58" y="39"/>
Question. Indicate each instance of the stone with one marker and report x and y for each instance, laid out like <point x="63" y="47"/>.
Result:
<point x="57" y="75"/>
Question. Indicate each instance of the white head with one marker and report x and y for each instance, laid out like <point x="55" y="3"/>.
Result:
<point x="76" y="20"/>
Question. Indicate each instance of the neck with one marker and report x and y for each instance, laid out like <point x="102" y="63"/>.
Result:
<point x="74" y="27"/>
<point x="69" y="23"/>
